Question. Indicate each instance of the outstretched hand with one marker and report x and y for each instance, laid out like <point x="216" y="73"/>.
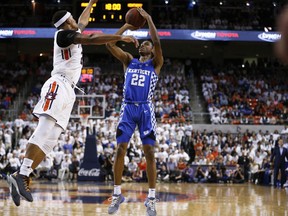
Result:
<point x="143" y="13"/>
<point x="130" y="39"/>
<point x="93" y="1"/>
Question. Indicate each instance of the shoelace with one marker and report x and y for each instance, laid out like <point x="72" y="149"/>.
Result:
<point x="151" y="204"/>
<point x="26" y="181"/>
<point x="114" y="200"/>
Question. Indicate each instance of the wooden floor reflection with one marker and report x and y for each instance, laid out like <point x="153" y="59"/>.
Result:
<point x="181" y="199"/>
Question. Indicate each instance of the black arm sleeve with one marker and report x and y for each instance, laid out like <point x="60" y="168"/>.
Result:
<point x="66" y="38"/>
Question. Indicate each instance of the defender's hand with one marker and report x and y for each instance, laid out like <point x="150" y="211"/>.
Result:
<point x="130" y="39"/>
<point x="130" y="27"/>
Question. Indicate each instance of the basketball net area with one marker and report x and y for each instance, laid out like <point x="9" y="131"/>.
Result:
<point x="88" y="108"/>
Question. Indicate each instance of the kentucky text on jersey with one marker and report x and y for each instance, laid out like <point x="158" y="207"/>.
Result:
<point x="140" y="81"/>
<point x="139" y="71"/>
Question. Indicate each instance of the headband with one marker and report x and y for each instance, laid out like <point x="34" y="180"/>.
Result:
<point x="62" y="20"/>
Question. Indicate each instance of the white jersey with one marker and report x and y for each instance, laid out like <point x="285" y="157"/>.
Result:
<point x="67" y="61"/>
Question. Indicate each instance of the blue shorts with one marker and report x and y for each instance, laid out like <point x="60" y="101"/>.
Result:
<point x="141" y="115"/>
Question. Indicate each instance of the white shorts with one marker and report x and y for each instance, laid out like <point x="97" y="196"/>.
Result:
<point x="57" y="100"/>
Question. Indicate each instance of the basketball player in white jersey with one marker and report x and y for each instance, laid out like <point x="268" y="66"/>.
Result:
<point x="57" y="94"/>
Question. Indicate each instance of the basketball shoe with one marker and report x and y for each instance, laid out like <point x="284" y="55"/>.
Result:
<point x="13" y="192"/>
<point x="150" y="204"/>
<point x="116" y="201"/>
<point x="21" y="184"/>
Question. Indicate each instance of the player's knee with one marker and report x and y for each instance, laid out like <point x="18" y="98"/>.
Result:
<point x="149" y="152"/>
<point x="121" y="150"/>
<point x="46" y="140"/>
<point x="46" y="145"/>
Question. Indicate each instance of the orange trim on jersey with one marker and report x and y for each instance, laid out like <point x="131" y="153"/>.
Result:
<point x="66" y="54"/>
<point x="47" y="102"/>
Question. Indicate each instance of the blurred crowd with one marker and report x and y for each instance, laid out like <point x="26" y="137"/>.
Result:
<point x="252" y="93"/>
<point x="168" y="14"/>
<point x="182" y="153"/>
<point x="255" y="93"/>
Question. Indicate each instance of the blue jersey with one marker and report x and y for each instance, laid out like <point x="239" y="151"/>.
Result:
<point x="140" y="81"/>
<point x="137" y="108"/>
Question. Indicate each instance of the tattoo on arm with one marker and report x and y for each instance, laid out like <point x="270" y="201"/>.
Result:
<point x="81" y="26"/>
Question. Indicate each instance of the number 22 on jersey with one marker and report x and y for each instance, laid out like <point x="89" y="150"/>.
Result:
<point x="138" y="80"/>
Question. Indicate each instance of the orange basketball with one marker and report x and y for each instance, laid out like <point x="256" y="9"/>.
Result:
<point x="134" y="18"/>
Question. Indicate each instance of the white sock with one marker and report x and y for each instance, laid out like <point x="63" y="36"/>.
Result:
<point x="25" y="168"/>
<point x="117" y="189"/>
<point x="151" y="193"/>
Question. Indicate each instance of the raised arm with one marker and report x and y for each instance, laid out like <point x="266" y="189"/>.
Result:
<point x="117" y="52"/>
<point x="158" y="56"/>
<point x="85" y="15"/>
<point x="101" y="39"/>
<point x="280" y="47"/>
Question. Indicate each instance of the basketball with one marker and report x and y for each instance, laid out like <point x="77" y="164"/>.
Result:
<point x="134" y="18"/>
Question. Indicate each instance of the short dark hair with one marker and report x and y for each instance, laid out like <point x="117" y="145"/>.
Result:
<point x="57" y="16"/>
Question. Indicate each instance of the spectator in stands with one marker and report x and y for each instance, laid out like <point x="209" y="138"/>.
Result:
<point x="142" y="169"/>
<point x="200" y="175"/>
<point x="14" y="163"/>
<point x="8" y="138"/>
<point x="132" y="168"/>
<point x="74" y="167"/>
<point x="237" y="175"/>
<point x="68" y="145"/>
<point x="182" y="154"/>
<point x="188" y="174"/>
<point x="4" y="166"/>
<point x="215" y="119"/>
<point x="176" y="176"/>
<point x="108" y="167"/>
<point x="161" y="169"/>
<point x="162" y="155"/>
<point x="45" y="165"/>
<point x="213" y="176"/>
<point x="64" y="168"/>
<point x="188" y="146"/>
<point x="265" y="173"/>
<point x="224" y="174"/>
<point x="254" y="172"/>
<point x="132" y="151"/>
<point x="171" y="165"/>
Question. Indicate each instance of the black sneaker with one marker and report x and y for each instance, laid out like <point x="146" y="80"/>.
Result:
<point x="21" y="184"/>
<point x="14" y="194"/>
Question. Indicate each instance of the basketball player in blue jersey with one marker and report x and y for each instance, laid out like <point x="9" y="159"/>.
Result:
<point x="141" y="76"/>
<point x="57" y="94"/>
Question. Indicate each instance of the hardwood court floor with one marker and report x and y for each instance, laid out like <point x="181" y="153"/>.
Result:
<point x="179" y="199"/>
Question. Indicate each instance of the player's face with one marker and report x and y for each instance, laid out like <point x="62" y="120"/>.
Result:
<point x="72" y="23"/>
<point x="145" y="48"/>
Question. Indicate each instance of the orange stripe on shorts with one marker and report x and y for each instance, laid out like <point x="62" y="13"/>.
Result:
<point x="47" y="102"/>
